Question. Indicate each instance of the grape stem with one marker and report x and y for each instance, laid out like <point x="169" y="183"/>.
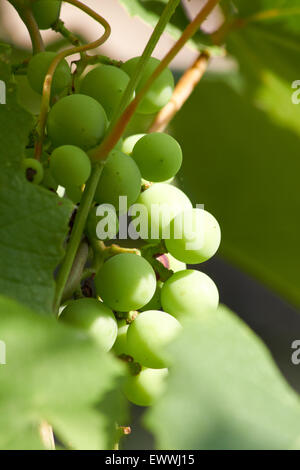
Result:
<point x="182" y="92"/>
<point x="62" y="55"/>
<point x="28" y="19"/>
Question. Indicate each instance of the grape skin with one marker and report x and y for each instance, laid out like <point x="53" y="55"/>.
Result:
<point x="33" y="170"/>
<point x="144" y="389"/>
<point x="161" y="90"/>
<point x="204" y="233"/>
<point x="106" y="84"/>
<point x="38" y="68"/>
<point x="129" y="143"/>
<point x="189" y="293"/>
<point x="46" y="12"/>
<point x="126" y="282"/>
<point x="77" y="120"/>
<point x="120" y="177"/>
<point x="170" y="201"/>
<point x="120" y="346"/>
<point x="70" y="166"/>
<point x="158" y="156"/>
<point x="148" y="335"/>
<point x="95" y="318"/>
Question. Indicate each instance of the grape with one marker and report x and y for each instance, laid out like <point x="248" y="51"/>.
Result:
<point x="46" y="12"/>
<point x="130" y="142"/>
<point x="48" y="180"/>
<point x="148" y="335"/>
<point x="38" y="68"/>
<point x="33" y="170"/>
<point x="189" y="293"/>
<point x="126" y="282"/>
<point x="70" y="166"/>
<point x="200" y="237"/>
<point x="171" y="263"/>
<point x="95" y="318"/>
<point x="144" y="389"/>
<point x="120" y="177"/>
<point x="77" y="120"/>
<point x="74" y="193"/>
<point x="106" y="84"/>
<point x="111" y="227"/>
<point x="158" y="156"/>
<point x="160" y="91"/>
<point x="166" y="202"/>
<point x="120" y="346"/>
<point x="155" y="303"/>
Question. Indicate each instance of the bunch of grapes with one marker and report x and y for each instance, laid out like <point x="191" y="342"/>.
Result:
<point x="138" y="300"/>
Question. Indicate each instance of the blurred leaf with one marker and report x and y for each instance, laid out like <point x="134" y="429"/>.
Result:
<point x="224" y="392"/>
<point x="54" y="374"/>
<point x="150" y="12"/>
<point x="34" y="221"/>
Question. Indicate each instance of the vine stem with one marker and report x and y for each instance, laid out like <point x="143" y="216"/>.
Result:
<point x="91" y="185"/>
<point x="62" y="55"/>
<point x="76" y="234"/>
<point x="113" y="137"/>
<point x="28" y="19"/>
<point x="182" y="92"/>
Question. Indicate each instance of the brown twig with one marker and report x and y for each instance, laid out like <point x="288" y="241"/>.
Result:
<point x="182" y="92"/>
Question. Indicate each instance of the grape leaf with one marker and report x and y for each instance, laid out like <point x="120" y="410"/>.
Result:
<point x="33" y="221"/>
<point x="226" y="390"/>
<point x="150" y="11"/>
<point x="55" y="374"/>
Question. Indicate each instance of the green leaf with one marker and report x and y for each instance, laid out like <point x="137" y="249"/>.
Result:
<point x="34" y="221"/>
<point x="244" y="166"/>
<point x="150" y="11"/>
<point x="270" y="10"/>
<point x="224" y="392"/>
<point x="55" y="374"/>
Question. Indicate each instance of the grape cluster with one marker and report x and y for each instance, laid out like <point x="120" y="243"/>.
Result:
<point x="139" y="299"/>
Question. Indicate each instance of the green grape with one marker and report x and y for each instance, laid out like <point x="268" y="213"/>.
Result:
<point x="171" y="263"/>
<point x="199" y="238"/>
<point x="48" y="180"/>
<point x="162" y="203"/>
<point x="144" y="389"/>
<point x="46" y="12"/>
<point x="111" y="226"/>
<point x="77" y="120"/>
<point x="93" y="317"/>
<point x="34" y="171"/>
<point x="161" y="90"/>
<point x="130" y="142"/>
<point x="120" y="346"/>
<point x="70" y="166"/>
<point x="148" y="335"/>
<point x="155" y="303"/>
<point x="189" y="293"/>
<point x="158" y="156"/>
<point x="120" y="177"/>
<point x="106" y="84"/>
<point x="126" y="282"/>
<point x="74" y="193"/>
<point x="38" y="68"/>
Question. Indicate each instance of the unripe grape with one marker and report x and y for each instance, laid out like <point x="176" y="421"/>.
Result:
<point x="155" y="302"/>
<point x="148" y="335"/>
<point x="70" y="166"/>
<point x="158" y="156"/>
<point x="34" y="171"/>
<point x="74" y="193"/>
<point x="46" y="12"/>
<point x="120" y="177"/>
<point x="144" y="389"/>
<point x="38" y="68"/>
<point x="93" y="220"/>
<point x="160" y="91"/>
<point x="166" y="202"/>
<point x="129" y="143"/>
<point x="126" y="282"/>
<point x="106" y="84"/>
<point x="95" y="318"/>
<point x="189" y="293"/>
<point x="48" y="180"/>
<point x="195" y="236"/>
<point x="77" y="120"/>
<point x="120" y="346"/>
